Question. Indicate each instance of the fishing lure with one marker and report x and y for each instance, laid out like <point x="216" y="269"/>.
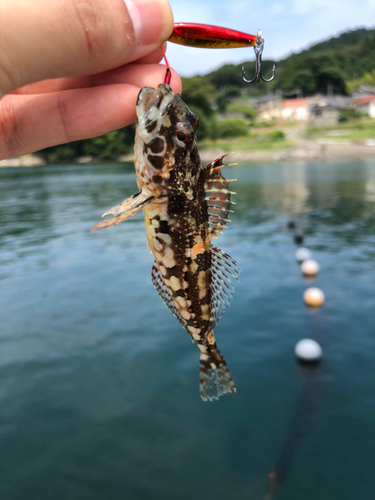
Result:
<point x="216" y="37"/>
<point x="210" y="37"/>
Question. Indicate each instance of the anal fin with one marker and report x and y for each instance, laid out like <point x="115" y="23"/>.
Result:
<point x="224" y="269"/>
<point x="127" y="209"/>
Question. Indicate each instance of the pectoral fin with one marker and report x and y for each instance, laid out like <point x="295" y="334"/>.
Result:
<point x="126" y="209"/>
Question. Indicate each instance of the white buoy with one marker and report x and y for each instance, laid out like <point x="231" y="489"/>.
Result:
<point x="308" y="350"/>
<point x="314" y="297"/>
<point x="303" y="254"/>
<point x="310" y="267"/>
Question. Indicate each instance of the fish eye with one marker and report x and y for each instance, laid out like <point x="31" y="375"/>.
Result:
<point x="181" y="135"/>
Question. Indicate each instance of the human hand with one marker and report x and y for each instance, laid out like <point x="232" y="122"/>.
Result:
<point x="72" y="69"/>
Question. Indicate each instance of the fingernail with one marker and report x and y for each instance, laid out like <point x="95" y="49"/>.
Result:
<point x="152" y="20"/>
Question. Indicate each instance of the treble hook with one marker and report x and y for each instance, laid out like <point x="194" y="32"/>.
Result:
<point x="258" y="49"/>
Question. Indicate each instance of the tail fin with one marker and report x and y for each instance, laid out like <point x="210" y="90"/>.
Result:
<point x="214" y="376"/>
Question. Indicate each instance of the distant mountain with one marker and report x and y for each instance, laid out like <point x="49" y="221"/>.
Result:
<point x="325" y="66"/>
<point x="353" y="37"/>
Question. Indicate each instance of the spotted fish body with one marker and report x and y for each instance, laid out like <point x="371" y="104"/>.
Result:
<point x="185" y="207"/>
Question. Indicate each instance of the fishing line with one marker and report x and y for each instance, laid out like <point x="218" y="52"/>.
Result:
<point x="168" y="74"/>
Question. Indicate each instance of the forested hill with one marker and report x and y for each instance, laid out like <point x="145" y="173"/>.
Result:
<point x="332" y="63"/>
<point x="345" y="39"/>
<point x="336" y="65"/>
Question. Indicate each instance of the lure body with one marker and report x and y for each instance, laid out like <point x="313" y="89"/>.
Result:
<point x="215" y="37"/>
<point x="210" y="37"/>
<point x="185" y="207"/>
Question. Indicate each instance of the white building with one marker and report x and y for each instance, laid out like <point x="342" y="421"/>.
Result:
<point x="366" y="105"/>
<point x="268" y="107"/>
<point x="295" y="109"/>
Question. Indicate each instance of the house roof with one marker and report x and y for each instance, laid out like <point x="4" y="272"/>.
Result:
<point x="367" y="89"/>
<point x="295" y="103"/>
<point x="364" y="100"/>
<point x="267" y="98"/>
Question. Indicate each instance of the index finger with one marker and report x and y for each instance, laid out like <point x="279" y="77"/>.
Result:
<point x="68" y="38"/>
<point x="58" y="84"/>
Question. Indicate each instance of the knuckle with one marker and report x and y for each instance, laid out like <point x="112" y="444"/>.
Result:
<point x="93" y="21"/>
<point x="9" y="127"/>
<point x="63" y="116"/>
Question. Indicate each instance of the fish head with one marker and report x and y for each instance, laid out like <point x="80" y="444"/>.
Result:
<point x="166" y="153"/>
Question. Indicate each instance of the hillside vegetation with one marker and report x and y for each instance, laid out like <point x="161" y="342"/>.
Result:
<point x="335" y="62"/>
<point x="338" y="65"/>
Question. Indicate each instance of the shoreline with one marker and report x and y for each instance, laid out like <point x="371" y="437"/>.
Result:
<point x="307" y="151"/>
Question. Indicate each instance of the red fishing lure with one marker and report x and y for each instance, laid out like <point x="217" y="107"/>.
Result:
<point x="215" y="37"/>
<point x="210" y="37"/>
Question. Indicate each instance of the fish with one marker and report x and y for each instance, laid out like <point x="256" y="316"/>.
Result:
<point x="185" y="206"/>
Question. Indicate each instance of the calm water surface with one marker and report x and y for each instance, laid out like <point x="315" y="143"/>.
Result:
<point x="99" y="383"/>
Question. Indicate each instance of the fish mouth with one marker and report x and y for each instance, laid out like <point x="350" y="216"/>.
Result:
<point x="152" y="103"/>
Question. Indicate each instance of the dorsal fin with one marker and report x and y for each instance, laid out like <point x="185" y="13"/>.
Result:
<point x="223" y="269"/>
<point x="217" y="197"/>
<point x="164" y="294"/>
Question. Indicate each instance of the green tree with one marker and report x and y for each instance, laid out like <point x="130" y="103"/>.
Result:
<point x="109" y="145"/>
<point x="349" y="114"/>
<point x="116" y="143"/>
<point x="246" y="110"/>
<point x="198" y="93"/>
<point x="232" y="91"/>
<point x="367" y="79"/>
<point x="233" y="127"/>
<point x="222" y="104"/>
<point x="226" y="76"/>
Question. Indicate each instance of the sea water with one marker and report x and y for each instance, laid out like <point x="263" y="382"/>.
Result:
<point x="99" y="394"/>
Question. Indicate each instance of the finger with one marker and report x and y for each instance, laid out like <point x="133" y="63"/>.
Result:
<point x="141" y="75"/>
<point x="33" y="122"/>
<point x="64" y="38"/>
<point x="154" y="57"/>
<point x="58" y="84"/>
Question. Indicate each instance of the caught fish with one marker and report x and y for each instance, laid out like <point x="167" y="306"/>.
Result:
<point x="185" y="207"/>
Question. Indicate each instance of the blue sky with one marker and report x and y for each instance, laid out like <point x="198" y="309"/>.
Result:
<point x="287" y="26"/>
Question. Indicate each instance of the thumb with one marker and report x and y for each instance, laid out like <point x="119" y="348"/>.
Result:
<point x="64" y="38"/>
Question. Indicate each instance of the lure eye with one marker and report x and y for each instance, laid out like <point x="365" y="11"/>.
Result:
<point x="181" y="135"/>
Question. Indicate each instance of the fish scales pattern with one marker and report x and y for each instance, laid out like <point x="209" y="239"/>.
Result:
<point x="185" y="208"/>
<point x="178" y="235"/>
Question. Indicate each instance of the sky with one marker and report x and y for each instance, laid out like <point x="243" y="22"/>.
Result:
<point x="287" y="26"/>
